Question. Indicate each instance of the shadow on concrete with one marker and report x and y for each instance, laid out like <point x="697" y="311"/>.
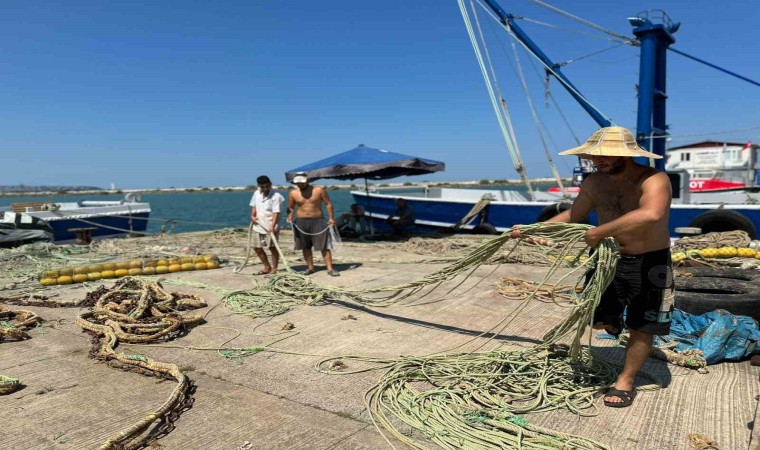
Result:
<point x="437" y="326"/>
<point x="300" y="268"/>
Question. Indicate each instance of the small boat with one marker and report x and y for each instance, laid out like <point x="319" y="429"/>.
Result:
<point x="96" y="218"/>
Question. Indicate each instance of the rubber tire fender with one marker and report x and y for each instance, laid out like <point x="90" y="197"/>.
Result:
<point x="553" y="210"/>
<point x="485" y="228"/>
<point x="724" y="220"/>
<point x="707" y="289"/>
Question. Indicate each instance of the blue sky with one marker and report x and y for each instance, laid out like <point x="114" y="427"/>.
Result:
<point x="194" y="93"/>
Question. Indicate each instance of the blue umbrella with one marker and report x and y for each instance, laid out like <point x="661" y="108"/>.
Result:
<point x="368" y="163"/>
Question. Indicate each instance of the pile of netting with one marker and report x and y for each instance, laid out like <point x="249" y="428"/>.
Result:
<point x="20" y="267"/>
<point x="140" y="312"/>
<point x="286" y="289"/>
<point x="475" y="399"/>
<point x="13" y="327"/>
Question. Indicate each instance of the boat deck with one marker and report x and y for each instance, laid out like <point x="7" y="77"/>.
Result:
<point x="278" y="401"/>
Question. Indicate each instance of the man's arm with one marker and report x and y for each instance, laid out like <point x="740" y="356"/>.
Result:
<point x="291" y="206"/>
<point x="253" y="214"/>
<point x="653" y="206"/>
<point x="329" y="205"/>
<point x="582" y="206"/>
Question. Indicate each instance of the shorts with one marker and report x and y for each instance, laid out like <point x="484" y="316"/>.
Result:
<point x="645" y="285"/>
<point x="264" y="240"/>
<point x="310" y="233"/>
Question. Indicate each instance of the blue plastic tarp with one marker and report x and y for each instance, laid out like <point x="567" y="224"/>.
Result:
<point x="719" y="334"/>
<point x="367" y="162"/>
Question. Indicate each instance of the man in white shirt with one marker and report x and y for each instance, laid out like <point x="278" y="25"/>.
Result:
<point x="265" y="216"/>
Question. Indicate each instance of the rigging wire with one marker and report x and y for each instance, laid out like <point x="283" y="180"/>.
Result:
<point x="536" y="120"/>
<point x="570" y="61"/>
<point x="570" y="30"/>
<point x="570" y="16"/>
<point x="513" y="151"/>
<point x="710" y="133"/>
<point x="733" y="74"/>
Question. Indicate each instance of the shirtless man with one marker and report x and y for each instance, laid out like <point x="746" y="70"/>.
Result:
<point x="309" y="229"/>
<point x="632" y="203"/>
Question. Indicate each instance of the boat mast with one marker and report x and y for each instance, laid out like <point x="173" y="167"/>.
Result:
<point x="508" y="20"/>
<point x="655" y="38"/>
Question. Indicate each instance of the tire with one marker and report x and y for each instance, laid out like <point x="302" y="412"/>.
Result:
<point x="706" y="289"/>
<point x="552" y="210"/>
<point x="485" y="228"/>
<point x="724" y="220"/>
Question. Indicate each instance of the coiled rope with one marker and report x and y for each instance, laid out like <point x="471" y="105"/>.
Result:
<point x="135" y="311"/>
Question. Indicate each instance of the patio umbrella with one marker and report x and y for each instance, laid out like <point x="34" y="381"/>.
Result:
<point x="368" y="163"/>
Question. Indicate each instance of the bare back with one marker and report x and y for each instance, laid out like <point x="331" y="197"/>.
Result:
<point x="614" y="196"/>
<point x="309" y="201"/>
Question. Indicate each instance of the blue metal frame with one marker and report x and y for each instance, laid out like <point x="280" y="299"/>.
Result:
<point x="509" y="20"/>
<point x="655" y="38"/>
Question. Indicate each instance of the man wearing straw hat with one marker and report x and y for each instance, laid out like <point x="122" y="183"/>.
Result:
<point x="632" y="203"/>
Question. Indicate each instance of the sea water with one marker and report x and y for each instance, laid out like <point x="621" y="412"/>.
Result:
<point x="198" y="211"/>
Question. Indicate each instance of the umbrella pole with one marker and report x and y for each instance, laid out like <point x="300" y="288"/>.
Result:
<point x="371" y="221"/>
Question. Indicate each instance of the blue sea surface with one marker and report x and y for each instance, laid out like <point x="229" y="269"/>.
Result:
<point x="198" y="211"/>
<point x="192" y="211"/>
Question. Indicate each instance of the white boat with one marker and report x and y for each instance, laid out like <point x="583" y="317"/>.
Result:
<point x="103" y="218"/>
<point x="716" y="166"/>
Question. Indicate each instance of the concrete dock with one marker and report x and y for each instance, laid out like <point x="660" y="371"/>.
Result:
<point x="279" y="401"/>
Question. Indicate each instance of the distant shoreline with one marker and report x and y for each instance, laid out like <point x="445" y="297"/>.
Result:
<point x="356" y="186"/>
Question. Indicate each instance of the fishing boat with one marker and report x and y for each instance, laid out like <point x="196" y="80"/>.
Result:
<point x="492" y="211"/>
<point x="716" y="166"/>
<point x="93" y="218"/>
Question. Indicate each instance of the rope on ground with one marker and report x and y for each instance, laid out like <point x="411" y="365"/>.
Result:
<point x="520" y="289"/>
<point x="136" y="311"/>
<point x="477" y="399"/>
<point x="14" y="326"/>
<point x="700" y="442"/>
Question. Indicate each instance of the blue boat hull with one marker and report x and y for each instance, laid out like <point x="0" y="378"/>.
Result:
<point x="113" y="226"/>
<point x="437" y="214"/>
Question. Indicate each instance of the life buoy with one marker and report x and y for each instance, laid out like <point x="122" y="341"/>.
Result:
<point x="552" y="210"/>
<point x="705" y="289"/>
<point x="724" y="220"/>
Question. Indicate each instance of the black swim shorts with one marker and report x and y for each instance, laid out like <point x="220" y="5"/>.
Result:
<point x="644" y="284"/>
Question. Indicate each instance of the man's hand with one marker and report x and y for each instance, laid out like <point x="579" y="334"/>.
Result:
<point x="331" y="222"/>
<point x="271" y="229"/>
<point x="254" y="219"/>
<point x="289" y="219"/>
<point x="591" y="238"/>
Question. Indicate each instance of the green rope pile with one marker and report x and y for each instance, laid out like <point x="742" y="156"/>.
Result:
<point x="476" y="400"/>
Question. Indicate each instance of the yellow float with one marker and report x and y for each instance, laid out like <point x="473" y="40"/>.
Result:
<point x="95" y="272"/>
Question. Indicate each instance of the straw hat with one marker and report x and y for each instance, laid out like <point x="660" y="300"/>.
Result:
<point x="611" y="141"/>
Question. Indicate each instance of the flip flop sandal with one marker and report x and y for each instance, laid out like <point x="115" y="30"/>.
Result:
<point x="334" y="273"/>
<point x="262" y="272"/>
<point x="308" y="271"/>
<point x="626" y="397"/>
